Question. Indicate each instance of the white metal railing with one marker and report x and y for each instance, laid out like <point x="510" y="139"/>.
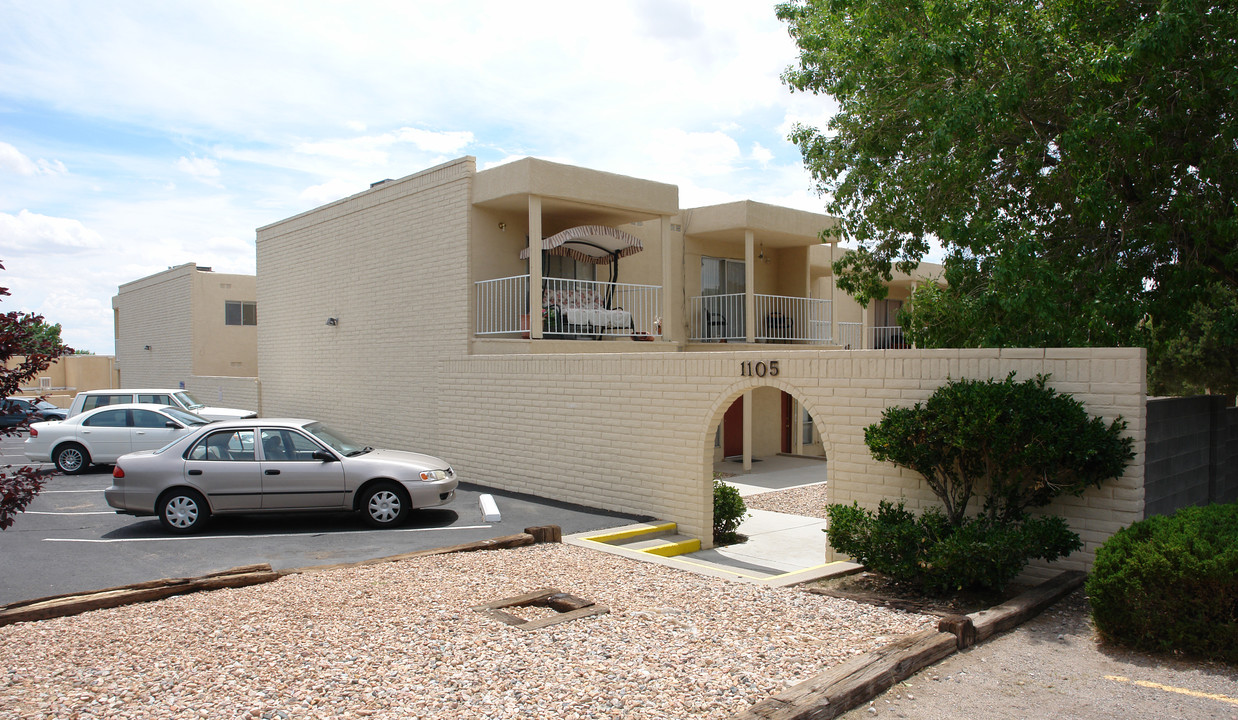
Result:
<point x="501" y="305"/>
<point x="718" y="317"/>
<point x="888" y="338"/>
<point x="779" y="318"/>
<point x="850" y="335"/>
<point x="791" y="319"/>
<point x="570" y="308"/>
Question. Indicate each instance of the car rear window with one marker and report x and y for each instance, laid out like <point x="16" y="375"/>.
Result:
<point x="94" y="401"/>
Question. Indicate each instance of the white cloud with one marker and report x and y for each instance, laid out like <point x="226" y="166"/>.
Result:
<point x="331" y="191"/>
<point x="28" y="233"/>
<point x="201" y="168"/>
<point x="15" y="161"/>
<point x="303" y="104"/>
<point x="376" y="149"/>
<point x="761" y="154"/>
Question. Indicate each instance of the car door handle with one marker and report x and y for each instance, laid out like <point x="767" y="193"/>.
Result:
<point x="272" y="472"/>
<point x="195" y="472"/>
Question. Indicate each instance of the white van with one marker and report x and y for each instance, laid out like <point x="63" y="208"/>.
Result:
<point x="91" y="399"/>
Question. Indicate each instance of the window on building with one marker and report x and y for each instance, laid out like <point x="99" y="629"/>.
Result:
<point x="807" y="427"/>
<point x="721" y="276"/>
<point x="885" y="312"/>
<point x="239" y="312"/>
<point x="567" y="268"/>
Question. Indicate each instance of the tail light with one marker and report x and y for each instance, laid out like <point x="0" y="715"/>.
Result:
<point x="117" y="472"/>
<point x="33" y="431"/>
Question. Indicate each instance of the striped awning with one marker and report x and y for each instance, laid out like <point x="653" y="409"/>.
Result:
<point x="596" y="244"/>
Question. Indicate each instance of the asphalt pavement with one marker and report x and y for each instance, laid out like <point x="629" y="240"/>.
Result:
<point x="69" y="540"/>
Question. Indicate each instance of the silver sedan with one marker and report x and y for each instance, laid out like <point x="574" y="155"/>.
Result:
<point x="275" y="465"/>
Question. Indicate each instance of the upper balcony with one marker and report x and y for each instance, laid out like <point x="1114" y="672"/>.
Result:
<point x="620" y="261"/>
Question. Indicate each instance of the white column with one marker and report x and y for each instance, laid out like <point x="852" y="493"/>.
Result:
<point x="750" y="306"/>
<point x="535" y="267"/>
<point x="797" y="426"/>
<point x="747" y="430"/>
<point x="671" y="317"/>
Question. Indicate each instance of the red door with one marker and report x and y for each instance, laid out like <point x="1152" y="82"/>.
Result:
<point x="733" y="429"/>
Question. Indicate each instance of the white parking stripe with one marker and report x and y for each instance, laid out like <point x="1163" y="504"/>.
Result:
<point x="246" y="537"/>
<point x="49" y="492"/>
<point x="93" y="512"/>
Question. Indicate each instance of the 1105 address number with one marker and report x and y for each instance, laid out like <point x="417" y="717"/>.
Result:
<point x="747" y="368"/>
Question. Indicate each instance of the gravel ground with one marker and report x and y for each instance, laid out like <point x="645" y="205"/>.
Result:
<point x="1054" y="667"/>
<point x="398" y="640"/>
<point x="808" y="501"/>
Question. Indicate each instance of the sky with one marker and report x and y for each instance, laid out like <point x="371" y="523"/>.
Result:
<point x="136" y="136"/>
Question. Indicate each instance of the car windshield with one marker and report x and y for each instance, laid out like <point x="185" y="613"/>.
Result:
<point x="45" y="405"/>
<point x="187" y="419"/>
<point x="335" y="440"/>
<point x="188" y="400"/>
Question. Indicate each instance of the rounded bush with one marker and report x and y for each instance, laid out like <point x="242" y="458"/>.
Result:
<point x="1170" y="583"/>
<point x="729" y="513"/>
<point x="931" y="555"/>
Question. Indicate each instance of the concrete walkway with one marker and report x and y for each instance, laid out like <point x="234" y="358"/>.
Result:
<point x="781" y="549"/>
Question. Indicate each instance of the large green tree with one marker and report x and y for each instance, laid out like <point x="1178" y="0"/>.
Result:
<point x="1077" y="160"/>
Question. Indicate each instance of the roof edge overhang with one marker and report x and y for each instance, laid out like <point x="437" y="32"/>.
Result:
<point x="773" y="225"/>
<point x="509" y="185"/>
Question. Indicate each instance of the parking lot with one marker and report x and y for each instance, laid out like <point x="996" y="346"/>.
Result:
<point x="69" y="540"/>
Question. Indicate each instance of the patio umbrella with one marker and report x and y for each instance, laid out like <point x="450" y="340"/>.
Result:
<point x="595" y="244"/>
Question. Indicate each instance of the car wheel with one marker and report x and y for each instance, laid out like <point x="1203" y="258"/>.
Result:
<point x="72" y="459"/>
<point x="183" y="511"/>
<point x="385" y="505"/>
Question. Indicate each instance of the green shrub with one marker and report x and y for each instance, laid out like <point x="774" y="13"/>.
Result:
<point x="729" y="512"/>
<point x="1170" y="583"/>
<point x="1018" y="445"/>
<point x="934" y="556"/>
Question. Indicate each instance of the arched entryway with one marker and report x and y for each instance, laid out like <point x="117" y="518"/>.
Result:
<point x="754" y="422"/>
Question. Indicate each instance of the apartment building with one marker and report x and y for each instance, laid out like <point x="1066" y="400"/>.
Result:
<point x="576" y="334"/>
<point x="189" y="327"/>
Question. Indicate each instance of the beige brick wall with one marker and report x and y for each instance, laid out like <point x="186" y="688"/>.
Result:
<point x="155" y="311"/>
<point x="634" y="432"/>
<point x="390" y="265"/>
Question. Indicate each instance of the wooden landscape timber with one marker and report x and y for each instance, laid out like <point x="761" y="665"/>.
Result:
<point x="74" y="603"/>
<point x="862" y="678"/>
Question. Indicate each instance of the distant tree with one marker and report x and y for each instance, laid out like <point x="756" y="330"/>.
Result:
<point x="37" y="344"/>
<point x="1077" y="160"/>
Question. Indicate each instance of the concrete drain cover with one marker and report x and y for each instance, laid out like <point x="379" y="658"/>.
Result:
<point x="564" y="607"/>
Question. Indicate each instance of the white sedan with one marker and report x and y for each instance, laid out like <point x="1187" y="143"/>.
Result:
<point x="101" y="435"/>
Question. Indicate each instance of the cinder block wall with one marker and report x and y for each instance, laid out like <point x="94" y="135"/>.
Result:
<point x="390" y="267"/>
<point x="634" y="432"/>
<point x="1190" y="447"/>
<point x="155" y="311"/>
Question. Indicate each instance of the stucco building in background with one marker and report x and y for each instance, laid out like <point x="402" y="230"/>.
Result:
<point x="477" y="315"/>
<point x="189" y="327"/>
<point x="69" y="375"/>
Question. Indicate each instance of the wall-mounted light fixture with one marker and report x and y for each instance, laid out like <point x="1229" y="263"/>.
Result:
<point x="333" y="321"/>
<point x="146" y="348"/>
<point x="502" y="226"/>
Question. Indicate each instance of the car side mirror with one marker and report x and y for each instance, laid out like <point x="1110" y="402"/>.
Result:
<point x="174" y="425"/>
<point x="323" y="455"/>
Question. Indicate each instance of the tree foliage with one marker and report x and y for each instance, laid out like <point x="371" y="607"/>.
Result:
<point x="37" y="344"/>
<point x="1077" y="160"/>
<point x="1019" y="445"/>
